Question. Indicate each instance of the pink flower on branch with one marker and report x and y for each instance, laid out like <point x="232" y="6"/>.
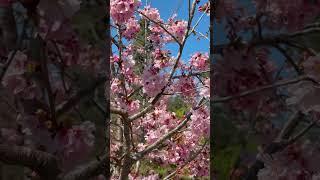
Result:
<point x="122" y="10"/>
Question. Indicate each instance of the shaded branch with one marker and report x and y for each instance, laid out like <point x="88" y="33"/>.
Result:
<point x="280" y="143"/>
<point x="289" y="126"/>
<point x="289" y="59"/>
<point x="273" y="40"/>
<point x="119" y="111"/>
<point x="301" y="133"/>
<point x="135" y="91"/>
<point x="46" y="79"/>
<point x="93" y="168"/>
<point x="75" y="99"/>
<point x="263" y="88"/>
<point x="45" y="164"/>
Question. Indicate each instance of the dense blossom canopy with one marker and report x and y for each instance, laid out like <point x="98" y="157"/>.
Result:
<point x="147" y="77"/>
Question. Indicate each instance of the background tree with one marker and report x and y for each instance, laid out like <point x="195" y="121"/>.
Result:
<point x="265" y="85"/>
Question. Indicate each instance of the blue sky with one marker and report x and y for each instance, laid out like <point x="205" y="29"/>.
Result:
<point x="166" y="9"/>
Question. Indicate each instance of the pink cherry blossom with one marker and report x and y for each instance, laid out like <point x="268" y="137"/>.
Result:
<point x="186" y="86"/>
<point x="199" y="61"/>
<point x="151" y="13"/>
<point x="152" y="81"/>
<point x="205" y="91"/>
<point x="177" y="29"/>
<point x="132" y="28"/>
<point x="122" y="10"/>
<point x="239" y="71"/>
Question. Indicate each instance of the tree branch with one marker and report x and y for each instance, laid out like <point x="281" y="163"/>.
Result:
<point x="191" y="74"/>
<point x="273" y="40"/>
<point x="93" y="168"/>
<point x="46" y="79"/>
<point x="280" y="143"/>
<point x="263" y="88"/>
<point x="289" y="59"/>
<point x="119" y="111"/>
<point x="45" y="164"/>
<point x="289" y="126"/>
<point x="301" y="133"/>
<point x="73" y="100"/>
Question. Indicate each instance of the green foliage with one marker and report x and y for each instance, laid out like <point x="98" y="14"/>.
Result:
<point x="178" y="106"/>
<point x="224" y="132"/>
<point x="224" y="160"/>
<point x="11" y="172"/>
<point x="141" y="42"/>
<point x="140" y="38"/>
<point x="161" y="170"/>
<point x="228" y="143"/>
<point x="147" y="166"/>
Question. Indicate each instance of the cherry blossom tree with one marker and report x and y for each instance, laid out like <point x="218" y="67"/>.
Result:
<point x="265" y="81"/>
<point x="147" y="77"/>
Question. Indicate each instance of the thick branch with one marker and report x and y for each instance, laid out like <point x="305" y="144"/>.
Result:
<point x="127" y="160"/>
<point x="280" y="143"/>
<point x="119" y="111"/>
<point x="93" y="168"/>
<point x="46" y="79"/>
<point x="45" y="164"/>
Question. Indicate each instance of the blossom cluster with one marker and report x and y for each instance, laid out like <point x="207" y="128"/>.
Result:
<point x="122" y="10"/>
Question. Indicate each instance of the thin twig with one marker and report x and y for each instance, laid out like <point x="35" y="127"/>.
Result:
<point x="263" y="88"/>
